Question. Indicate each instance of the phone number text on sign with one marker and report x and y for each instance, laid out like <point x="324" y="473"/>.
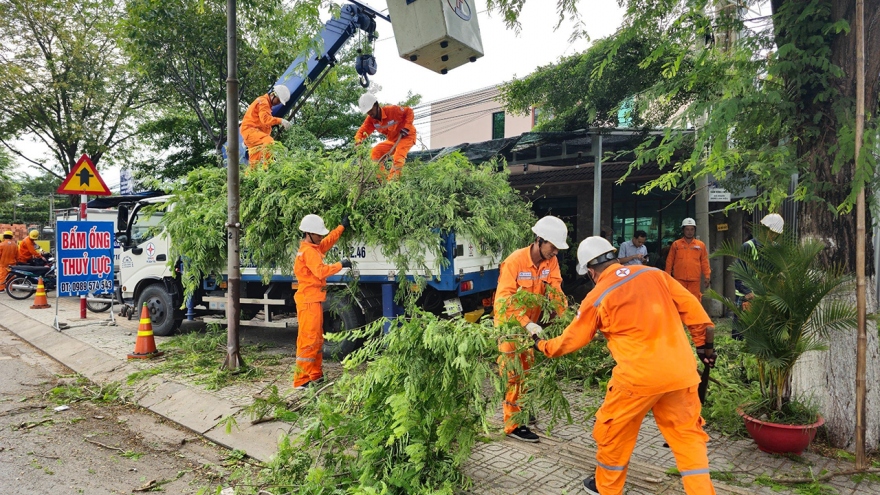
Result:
<point x="92" y="286"/>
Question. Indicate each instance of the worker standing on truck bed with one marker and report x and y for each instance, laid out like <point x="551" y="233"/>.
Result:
<point x="311" y="276"/>
<point x="640" y="311"/>
<point x="530" y="269"/>
<point x="395" y="122"/>
<point x="257" y="124"/>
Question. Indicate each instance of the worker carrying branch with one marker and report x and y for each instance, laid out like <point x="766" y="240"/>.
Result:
<point x="640" y="311"/>
<point x="395" y="122"/>
<point x="256" y="126"/>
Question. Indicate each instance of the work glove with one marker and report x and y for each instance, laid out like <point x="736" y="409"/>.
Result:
<point x="285" y="124"/>
<point x="404" y="132"/>
<point x="706" y="353"/>
<point x="534" y="329"/>
<point x="535" y="340"/>
<point x="346" y="263"/>
<point x="345" y="223"/>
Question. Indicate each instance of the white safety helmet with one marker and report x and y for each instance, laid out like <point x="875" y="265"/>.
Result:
<point x="688" y="222"/>
<point x="282" y="93"/>
<point x="366" y="102"/>
<point x="313" y="224"/>
<point x="594" y="250"/>
<point x="553" y="230"/>
<point x="774" y="222"/>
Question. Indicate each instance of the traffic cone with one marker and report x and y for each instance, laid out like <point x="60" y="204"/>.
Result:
<point x="145" y="346"/>
<point x="40" y="301"/>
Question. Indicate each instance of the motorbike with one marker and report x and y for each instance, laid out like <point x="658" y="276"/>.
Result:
<point x="22" y="280"/>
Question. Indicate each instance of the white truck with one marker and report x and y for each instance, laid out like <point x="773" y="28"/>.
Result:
<point x="147" y="275"/>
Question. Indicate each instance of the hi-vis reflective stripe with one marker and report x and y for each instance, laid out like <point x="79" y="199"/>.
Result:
<point x="144" y="321"/>
<point x="618" y="284"/>
<point x="613" y="468"/>
<point x="311" y="360"/>
<point x="145" y="333"/>
<point x="693" y="472"/>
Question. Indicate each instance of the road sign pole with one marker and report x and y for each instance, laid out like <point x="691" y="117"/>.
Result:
<point x="83" y="214"/>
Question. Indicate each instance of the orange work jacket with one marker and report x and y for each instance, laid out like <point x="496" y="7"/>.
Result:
<point x="28" y="250"/>
<point x="8" y="253"/>
<point x="516" y="273"/>
<point x="310" y="270"/>
<point x="640" y="311"/>
<point x="687" y="260"/>
<point x="259" y="116"/>
<point x="394" y="120"/>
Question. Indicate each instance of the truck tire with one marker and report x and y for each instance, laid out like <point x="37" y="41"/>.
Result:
<point x="341" y="313"/>
<point x="161" y="309"/>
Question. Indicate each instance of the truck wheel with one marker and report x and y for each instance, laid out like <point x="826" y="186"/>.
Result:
<point x="341" y="313"/>
<point x="161" y="309"/>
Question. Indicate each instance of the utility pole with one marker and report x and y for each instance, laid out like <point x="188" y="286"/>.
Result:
<point x="233" y="226"/>
<point x="861" y="303"/>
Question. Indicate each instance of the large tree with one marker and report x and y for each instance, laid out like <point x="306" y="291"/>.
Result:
<point x="64" y="82"/>
<point x="775" y="100"/>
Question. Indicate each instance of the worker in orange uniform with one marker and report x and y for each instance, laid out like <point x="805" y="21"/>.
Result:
<point x="395" y="122"/>
<point x="8" y="255"/>
<point x="257" y="124"/>
<point x="530" y="269"/>
<point x="311" y="277"/>
<point x="688" y="260"/>
<point x="29" y="252"/>
<point x="640" y="311"/>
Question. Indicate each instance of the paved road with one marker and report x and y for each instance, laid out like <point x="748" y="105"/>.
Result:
<point x="91" y="448"/>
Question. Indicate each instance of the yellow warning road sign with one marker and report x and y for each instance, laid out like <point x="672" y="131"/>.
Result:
<point x="84" y="179"/>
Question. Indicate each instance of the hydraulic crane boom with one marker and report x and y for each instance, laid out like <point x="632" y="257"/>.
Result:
<point x="336" y="33"/>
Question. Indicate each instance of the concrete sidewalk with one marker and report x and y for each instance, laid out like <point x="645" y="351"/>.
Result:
<point x="556" y="465"/>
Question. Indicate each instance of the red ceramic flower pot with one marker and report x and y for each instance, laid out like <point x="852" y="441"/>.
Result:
<point x="777" y="438"/>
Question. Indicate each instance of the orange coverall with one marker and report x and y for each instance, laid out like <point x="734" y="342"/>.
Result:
<point x="516" y="273"/>
<point x="311" y="276"/>
<point x="28" y="250"/>
<point x="686" y="261"/>
<point x="640" y="311"/>
<point x="256" y="127"/>
<point x="394" y="120"/>
<point x="8" y="255"/>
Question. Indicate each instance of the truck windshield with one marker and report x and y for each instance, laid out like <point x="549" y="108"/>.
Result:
<point x="145" y="225"/>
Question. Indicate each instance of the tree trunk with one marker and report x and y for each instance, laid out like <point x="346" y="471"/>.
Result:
<point x="827" y="378"/>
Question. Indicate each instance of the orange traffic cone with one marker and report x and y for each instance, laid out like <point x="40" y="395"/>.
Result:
<point x="40" y="301"/>
<point x="145" y="346"/>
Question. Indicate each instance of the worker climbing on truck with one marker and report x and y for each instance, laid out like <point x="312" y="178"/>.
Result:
<point x="257" y="124"/>
<point x="395" y="122"/>
<point x="311" y="276"/>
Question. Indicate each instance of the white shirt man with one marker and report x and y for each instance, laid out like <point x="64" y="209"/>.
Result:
<point x="634" y="252"/>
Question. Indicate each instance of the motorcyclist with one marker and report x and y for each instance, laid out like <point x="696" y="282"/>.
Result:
<point x="29" y="252"/>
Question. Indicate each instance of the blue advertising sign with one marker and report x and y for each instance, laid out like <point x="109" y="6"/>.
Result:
<point x="84" y="258"/>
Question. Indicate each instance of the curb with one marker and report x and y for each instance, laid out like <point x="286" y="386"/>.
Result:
<point x="190" y="407"/>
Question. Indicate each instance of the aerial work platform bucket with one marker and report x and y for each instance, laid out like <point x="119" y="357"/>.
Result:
<point x="437" y="34"/>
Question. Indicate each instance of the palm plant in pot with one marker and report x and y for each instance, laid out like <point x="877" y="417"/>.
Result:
<point x="797" y="304"/>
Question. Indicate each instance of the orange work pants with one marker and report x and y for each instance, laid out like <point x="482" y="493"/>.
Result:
<point x="4" y="272"/>
<point x="256" y="142"/>
<point x="694" y="287"/>
<point x="309" y="342"/>
<point x="677" y="414"/>
<point x="399" y="155"/>
<point x="514" y="381"/>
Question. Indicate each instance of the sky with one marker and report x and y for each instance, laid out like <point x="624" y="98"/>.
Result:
<point x="506" y="55"/>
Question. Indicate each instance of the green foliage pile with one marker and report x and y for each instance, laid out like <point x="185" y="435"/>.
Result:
<point x="405" y="218"/>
